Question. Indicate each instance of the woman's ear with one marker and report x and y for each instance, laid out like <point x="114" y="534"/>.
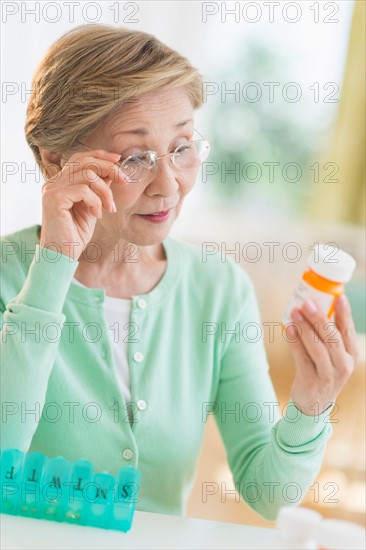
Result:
<point x="52" y="162"/>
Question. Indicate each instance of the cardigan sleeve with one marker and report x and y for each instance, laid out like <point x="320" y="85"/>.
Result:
<point x="30" y="322"/>
<point x="273" y="460"/>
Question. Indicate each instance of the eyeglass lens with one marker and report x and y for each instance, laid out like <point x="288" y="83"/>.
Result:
<point x="138" y="167"/>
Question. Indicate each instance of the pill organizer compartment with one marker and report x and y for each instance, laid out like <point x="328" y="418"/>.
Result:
<point x="56" y="489"/>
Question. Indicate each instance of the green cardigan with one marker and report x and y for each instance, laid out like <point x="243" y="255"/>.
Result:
<point x="194" y="349"/>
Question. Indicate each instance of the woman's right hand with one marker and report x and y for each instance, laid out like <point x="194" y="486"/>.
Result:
<point x="73" y="199"/>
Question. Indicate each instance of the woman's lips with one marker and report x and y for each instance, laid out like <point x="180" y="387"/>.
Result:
<point x="157" y="217"/>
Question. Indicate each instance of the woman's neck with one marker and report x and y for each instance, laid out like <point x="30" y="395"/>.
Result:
<point x="123" y="271"/>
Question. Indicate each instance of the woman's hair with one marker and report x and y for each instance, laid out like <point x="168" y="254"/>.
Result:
<point x="92" y="70"/>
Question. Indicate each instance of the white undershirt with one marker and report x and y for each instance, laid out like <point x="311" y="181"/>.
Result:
<point x="117" y="311"/>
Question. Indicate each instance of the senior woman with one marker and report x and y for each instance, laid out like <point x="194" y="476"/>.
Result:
<point x="118" y="340"/>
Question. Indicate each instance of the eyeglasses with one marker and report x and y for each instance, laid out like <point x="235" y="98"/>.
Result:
<point x="139" y="166"/>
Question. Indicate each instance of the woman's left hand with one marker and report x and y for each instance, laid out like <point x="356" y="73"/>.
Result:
<point x="325" y="354"/>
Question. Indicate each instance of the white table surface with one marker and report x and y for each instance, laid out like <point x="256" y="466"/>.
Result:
<point x="149" y="531"/>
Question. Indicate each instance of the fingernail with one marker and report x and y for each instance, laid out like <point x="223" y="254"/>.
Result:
<point x="343" y="300"/>
<point x="115" y="156"/>
<point x="114" y="207"/>
<point x="296" y="315"/>
<point x="309" y="306"/>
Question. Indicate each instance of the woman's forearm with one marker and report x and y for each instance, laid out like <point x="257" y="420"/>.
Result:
<point x="28" y="349"/>
<point x="280" y="472"/>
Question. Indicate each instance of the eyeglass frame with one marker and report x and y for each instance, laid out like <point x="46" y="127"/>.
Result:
<point x="154" y="166"/>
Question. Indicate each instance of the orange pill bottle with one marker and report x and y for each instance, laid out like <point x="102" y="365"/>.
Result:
<point x="329" y="268"/>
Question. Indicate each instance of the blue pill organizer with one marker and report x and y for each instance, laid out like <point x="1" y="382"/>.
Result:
<point x="56" y="489"/>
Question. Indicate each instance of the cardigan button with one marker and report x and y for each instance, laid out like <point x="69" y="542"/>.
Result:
<point x="141" y="303"/>
<point x="141" y="405"/>
<point x="138" y="356"/>
<point x="127" y="454"/>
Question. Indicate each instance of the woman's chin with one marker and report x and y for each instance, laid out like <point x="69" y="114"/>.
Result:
<point x="149" y="232"/>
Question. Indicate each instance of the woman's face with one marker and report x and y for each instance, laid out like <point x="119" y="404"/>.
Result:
<point x="158" y="121"/>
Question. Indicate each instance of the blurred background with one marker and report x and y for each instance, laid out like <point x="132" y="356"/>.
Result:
<point x="284" y="110"/>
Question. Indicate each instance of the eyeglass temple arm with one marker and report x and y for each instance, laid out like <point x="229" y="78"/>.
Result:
<point x="200" y="134"/>
<point x="79" y="142"/>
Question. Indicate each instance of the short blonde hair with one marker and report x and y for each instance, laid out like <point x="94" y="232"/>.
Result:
<point x="91" y="70"/>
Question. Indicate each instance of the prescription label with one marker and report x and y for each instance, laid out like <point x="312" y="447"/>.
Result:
<point x="306" y="292"/>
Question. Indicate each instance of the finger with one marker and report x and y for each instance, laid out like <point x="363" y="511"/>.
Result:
<point x="104" y="191"/>
<point x="346" y="326"/>
<point x="313" y="345"/>
<point x="100" y="154"/>
<point x="103" y="163"/>
<point x="302" y="359"/>
<point x="327" y="331"/>
<point x="79" y="193"/>
<point x="85" y="161"/>
<point x="89" y="180"/>
<point x="104" y="168"/>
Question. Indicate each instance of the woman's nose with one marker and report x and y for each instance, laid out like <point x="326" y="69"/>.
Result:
<point x="163" y="180"/>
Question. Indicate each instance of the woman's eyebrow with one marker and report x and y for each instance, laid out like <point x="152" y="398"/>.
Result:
<point x="142" y="131"/>
<point x="180" y="124"/>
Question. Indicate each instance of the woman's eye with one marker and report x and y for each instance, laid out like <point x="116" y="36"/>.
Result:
<point x="132" y="159"/>
<point x="181" y="149"/>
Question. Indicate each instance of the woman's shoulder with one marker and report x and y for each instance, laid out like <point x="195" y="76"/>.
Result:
<point x="19" y="246"/>
<point x="17" y="252"/>
<point x="25" y="235"/>
<point x="203" y="265"/>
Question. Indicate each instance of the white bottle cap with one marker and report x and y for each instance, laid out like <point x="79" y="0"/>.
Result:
<point x="335" y="534"/>
<point x="297" y="524"/>
<point x="331" y="263"/>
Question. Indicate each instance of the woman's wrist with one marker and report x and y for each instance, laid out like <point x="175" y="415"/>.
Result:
<point x="314" y="408"/>
<point x="296" y="429"/>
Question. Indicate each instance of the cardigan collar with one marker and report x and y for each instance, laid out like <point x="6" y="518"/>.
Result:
<point x="96" y="296"/>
